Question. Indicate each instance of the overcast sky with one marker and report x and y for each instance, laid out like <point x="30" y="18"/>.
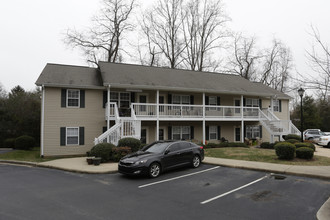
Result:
<point x="32" y="31"/>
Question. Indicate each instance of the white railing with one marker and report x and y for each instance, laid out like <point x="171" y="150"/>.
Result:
<point x="125" y="128"/>
<point x="192" y="111"/>
<point x="112" y="135"/>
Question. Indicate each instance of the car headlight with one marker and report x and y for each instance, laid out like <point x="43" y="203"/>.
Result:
<point x="140" y="162"/>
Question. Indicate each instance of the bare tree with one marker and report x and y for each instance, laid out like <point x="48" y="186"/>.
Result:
<point x="319" y="61"/>
<point x="245" y="58"/>
<point x="163" y="26"/>
<point x="103" y="41"/>
<point x="277" y="63"/>
<point x="203" y="27"/>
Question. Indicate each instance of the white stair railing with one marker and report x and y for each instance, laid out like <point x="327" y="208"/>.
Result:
<point x="113" y="134"/>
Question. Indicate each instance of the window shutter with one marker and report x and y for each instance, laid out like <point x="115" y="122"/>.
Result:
<point x="132" y="97"/>
<point x="169" y="133"/>
<point x="63" y="98"/>
<point x="206" y="100"/>
<point x="169" y="98"/>
<point x="260" y="131"/>
<point x="260" y="103"/>
<point x="243" y="101"/>
<point x="192" y="136"/>
<point x="191" y="100"/>
<point x="219" y="133"/>
<point x="104" y="129"/>
<point x="280" y="105"/>
<point x="207" y="133"/>
<point x="82" y="98"/>
<point x="218" y="100"/>
<point x="244" y="132"/>
<point x="81" y="136"/>
<point x="62" y="136"/>
<point x="105" y="98"/>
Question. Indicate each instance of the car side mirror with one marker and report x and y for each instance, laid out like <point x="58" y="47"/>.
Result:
<point x="167" y="151"/>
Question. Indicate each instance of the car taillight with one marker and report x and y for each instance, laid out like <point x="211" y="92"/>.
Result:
<point x="201" y="147"/>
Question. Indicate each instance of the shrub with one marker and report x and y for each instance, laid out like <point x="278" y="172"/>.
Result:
<point x="292" y="141"/>
<point x="224" y="144"/>
<point x="305" y="153"/>
<point x="102" y="150"/>
<point x="267" y="145"/>
<point x="237" y="144"/>
<point x="120" y="152"/>
<point x="133" y="143"/>
<point x="292" y="136"/>
<point x="285" y="150"/>
<point x="24" y="142"/>
<point x="305" y="144"/>
<point x="9" y="143"/>
<point x="212" y="145"/>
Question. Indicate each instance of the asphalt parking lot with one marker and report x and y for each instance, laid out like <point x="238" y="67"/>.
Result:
<point x="209" y="192"/>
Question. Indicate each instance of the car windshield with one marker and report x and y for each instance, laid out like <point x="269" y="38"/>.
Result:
<point x="156" y="148"/>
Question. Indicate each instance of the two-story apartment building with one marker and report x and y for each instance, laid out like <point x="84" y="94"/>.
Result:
<point x="82" y="106"/>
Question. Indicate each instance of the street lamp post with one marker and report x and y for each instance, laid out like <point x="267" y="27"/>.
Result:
<point x="301" y="94"/>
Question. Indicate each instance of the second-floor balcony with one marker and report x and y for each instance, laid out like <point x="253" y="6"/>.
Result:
<point x="149" y="111"/>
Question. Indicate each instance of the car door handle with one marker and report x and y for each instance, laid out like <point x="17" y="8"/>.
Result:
<point x="178" y="153"/>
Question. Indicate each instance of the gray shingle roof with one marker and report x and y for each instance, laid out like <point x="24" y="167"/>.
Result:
<point x="69" y="76"/>
<point x="144" y="77"/>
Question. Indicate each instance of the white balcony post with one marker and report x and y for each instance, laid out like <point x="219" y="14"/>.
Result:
<point x="204" y="118"/>
<point x="157" y="112"/>
<point x="242" y="114"/>
<point x="108" y="112"/>
<point x="271" y="104"/>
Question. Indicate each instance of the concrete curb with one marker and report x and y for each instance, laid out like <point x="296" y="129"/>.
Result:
<point x="271" y="170"/>
<point x="32" y="164"/>
<point x="324" y="211"/>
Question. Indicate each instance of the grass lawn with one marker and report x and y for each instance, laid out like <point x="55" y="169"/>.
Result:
<point x="23" y="155"/>
<point x="262" y="155"/>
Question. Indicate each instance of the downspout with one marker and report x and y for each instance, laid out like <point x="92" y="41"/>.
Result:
<point x="42" y="121"/>
<point x="108" y="112"/>
<point x="157" y="112"/>
<point x="242" y="120"/>
<point x="204" y="118"/>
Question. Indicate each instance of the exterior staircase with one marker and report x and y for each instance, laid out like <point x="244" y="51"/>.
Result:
<point x="276" y="126"/>
<point x="124" y="127"/>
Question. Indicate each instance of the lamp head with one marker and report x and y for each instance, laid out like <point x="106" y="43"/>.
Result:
<point x="301" y="92"/>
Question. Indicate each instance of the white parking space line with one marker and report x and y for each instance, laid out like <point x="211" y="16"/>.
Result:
<point x="234" y="190"/>
<point x="179" y="177"/>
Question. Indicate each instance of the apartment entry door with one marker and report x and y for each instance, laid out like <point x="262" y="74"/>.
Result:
<point x="143" y="108"/>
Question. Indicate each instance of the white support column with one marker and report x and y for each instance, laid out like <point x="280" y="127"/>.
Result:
<point x="204" y="130"/>
<point x="242" y="119"/>
<point x="157" y="111"/>
<point x="42" y="122"/>
<point x="242" y="131"/>
<point x="271" y="104"/>
<point x="108" y="111"/>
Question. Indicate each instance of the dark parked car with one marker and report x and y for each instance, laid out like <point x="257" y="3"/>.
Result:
<point x="161" y="156"/>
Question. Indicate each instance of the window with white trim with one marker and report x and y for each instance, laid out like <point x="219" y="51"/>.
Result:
<point x="212" y="101"/>
<point x="213" y="133"/>
<point x="252" y="103"/>
<point x="72" y="136"/>
<point x="252" y="131"/>
<point x="73" y="98"/>
<point x="276" y="105"/>
<point x="181" y="133"/>
<point x="181" y="100"/>
<point x="121" y="98"/>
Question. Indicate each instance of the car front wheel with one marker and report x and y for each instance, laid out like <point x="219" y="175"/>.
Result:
<point x="154" y="170"/>
<point x="196" y="161"/>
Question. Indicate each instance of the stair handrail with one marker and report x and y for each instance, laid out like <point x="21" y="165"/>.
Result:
<point x="107" y="133"/>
